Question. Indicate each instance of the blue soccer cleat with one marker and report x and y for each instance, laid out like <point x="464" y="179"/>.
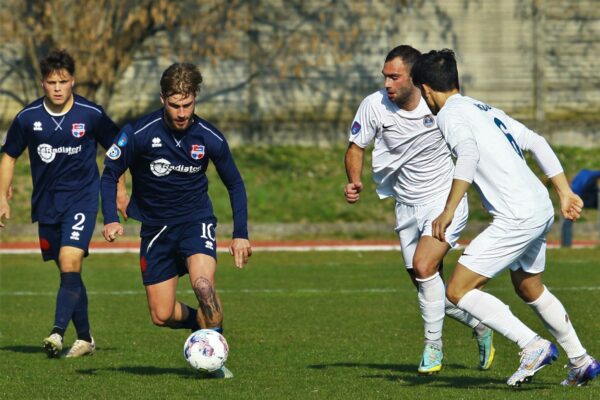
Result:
<point x="485" y="343"/>
<point x="431" y="362"/>
<point x="580" y="376"/>
<point x="533" y="358"/>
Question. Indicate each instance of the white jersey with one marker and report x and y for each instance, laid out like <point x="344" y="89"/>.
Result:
<point x="509" y="190"/>
<point x="411" y="161"/>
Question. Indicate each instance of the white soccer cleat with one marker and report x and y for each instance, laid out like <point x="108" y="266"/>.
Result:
<point x="580" y="376"/>
<point x="533" y="358"/>
<point x="221" y="373"/>
<point x="53" y="345"/>
<point x="82" y="348"/>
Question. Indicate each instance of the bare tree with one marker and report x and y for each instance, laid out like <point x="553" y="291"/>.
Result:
<point x="104" y="35"/>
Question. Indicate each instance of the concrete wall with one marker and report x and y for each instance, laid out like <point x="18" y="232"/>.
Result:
<point x="536" y="59"/>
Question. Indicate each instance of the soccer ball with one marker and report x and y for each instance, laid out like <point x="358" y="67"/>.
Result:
<point x="206" y="350"/>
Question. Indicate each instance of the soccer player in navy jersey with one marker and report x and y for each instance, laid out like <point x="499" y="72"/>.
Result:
<point x="167" y="153"/>
<point x="61" y="131"/>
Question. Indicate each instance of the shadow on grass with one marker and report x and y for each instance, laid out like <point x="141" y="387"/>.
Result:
<point x="406" y="374"/>
<point x="23" y="349"/>
<point x="144" y="371"/>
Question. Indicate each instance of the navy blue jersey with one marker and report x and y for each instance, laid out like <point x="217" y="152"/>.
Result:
<point x="168" y="170"/>
<point x="62" y="151"/>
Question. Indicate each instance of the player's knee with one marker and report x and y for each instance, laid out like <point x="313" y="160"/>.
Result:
<point x="424" y="268"/>
<point x="69" y="264"/>
<point x="161" y="318"/>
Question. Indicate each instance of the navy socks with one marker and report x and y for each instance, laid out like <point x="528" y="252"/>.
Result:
<point x="80" y="316"/>
<point x="71" y="303"/>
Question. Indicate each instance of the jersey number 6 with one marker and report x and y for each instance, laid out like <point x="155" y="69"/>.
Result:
<point x="510" y="138"/>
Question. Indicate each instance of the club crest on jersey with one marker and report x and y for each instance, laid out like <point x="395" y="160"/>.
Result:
<point x="78" y="130"/>
<point x="428" y="121"/>
<point x="355" y="128"/>
<point x="114" y="152"/>
<point x="197" y="151"/>
<point x="122" y="140"/>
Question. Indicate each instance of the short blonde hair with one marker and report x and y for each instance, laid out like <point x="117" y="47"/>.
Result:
<point x="180" y="78"/>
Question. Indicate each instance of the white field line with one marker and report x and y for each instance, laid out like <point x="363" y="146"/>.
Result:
<point x="279" y="291"/>
<point x="274" y="248"/>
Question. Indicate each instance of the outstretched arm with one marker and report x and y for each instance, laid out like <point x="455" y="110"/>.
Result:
<point x="570" y="203"/>
<point x="7" y="170"/>
<point x="122" y="197"/>
<point x="457" y="192"/>
<point x="240" y="247"/>
<point x="467" y="158"/>
<point x="354" y="164"/>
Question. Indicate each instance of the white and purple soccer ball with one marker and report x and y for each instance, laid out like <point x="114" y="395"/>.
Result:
<point x="206" y="350"/>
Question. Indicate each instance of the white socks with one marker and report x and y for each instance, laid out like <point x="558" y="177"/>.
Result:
<point x="496" y="315"/>
<point x="557" y="321"/>
<point x="432" y="295"/>
<point x="462" y="316"/>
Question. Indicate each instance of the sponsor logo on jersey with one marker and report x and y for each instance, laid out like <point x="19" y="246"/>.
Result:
<point x="355" y="127"/>
<point x="114" y="152"/>
<point x="428" y="121"/>
<point x="156" y="142"/>
<point x="47" y="153"/>
<point x="122" y="140"/>
<point x="197" y="151"/>
<point x="162" y="167"/>
<point x="78" y="130"/>
<point x="37" y="126"/>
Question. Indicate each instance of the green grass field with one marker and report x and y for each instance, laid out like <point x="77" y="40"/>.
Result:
<point x="293" y="184"/>
<point x="319" y="325"/>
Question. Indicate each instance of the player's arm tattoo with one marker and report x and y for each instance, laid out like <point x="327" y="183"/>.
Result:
<point x="207" y="297"/>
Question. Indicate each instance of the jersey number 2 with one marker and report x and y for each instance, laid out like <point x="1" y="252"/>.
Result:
<point x="80" y="218"/>
<point x="510" y="138"/>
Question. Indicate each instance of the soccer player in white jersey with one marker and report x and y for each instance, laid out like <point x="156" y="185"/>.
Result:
<point x="412" y="164"/>
<point x="489" y="148"/>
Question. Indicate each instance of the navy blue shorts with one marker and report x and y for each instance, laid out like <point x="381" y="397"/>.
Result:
<point x="75" y="229"/>
<point x="164" y="249"/>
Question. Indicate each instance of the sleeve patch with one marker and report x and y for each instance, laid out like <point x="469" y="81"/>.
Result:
<point x="114" y="152"/>
<point x="355" y="128"/>
<point x="122" y="139"/>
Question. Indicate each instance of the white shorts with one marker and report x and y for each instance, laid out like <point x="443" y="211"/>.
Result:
<point x="412" y="222"/>
<point x="499" y="247"/>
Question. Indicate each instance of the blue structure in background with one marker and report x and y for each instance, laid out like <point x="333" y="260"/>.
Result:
<point x="585" y="184"/>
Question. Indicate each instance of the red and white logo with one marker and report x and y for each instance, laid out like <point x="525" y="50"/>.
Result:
<point x="197" y="151"/>
<point x="78" y="130"/>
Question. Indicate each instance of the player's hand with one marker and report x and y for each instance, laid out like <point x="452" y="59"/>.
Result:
<point x="352" y="191"/>
<point x="122" y="203"/>
<point x="4" y="211"/>
<point x="112" y="230"/>
<point x="571" y="206"/>
<point x="439" y="225"/>
<point x="240" y="250"/>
